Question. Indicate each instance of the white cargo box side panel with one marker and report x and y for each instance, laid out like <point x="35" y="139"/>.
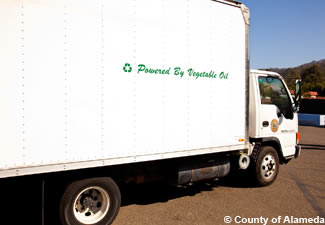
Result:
<point x="217" y="41"/>
<point x="50" y="82"/>
<point x="68" y="94"/>
<point x="31" y="100"/>
<point x="173" y="113"/>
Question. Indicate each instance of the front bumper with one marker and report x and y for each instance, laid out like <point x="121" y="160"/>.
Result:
<point x="298" y="151"/>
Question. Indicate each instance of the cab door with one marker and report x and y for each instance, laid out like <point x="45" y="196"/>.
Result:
<point x="277" y="118"/>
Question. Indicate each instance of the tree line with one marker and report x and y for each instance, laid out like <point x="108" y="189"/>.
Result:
<point x="312" y="76"/>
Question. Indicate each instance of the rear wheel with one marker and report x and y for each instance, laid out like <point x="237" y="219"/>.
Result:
<point x="93" y="201"/>
<point x="266" y="166"/>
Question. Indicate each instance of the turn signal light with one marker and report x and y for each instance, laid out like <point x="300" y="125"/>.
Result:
<point x="297" y="137"/>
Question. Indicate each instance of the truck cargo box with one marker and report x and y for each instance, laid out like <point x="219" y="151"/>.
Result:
<point x="95" y="83"/>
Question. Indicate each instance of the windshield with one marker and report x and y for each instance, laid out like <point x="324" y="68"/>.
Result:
<point x="273" y="91"/>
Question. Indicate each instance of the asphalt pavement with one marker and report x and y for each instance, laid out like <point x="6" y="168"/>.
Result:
<point x="296" y="197"/>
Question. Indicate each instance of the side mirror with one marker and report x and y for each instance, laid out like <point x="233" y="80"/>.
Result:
<point x="297" y="94"/>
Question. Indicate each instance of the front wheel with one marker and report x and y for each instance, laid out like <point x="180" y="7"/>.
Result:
<point x="93" y="201"/>
<point x="266" y="166"/>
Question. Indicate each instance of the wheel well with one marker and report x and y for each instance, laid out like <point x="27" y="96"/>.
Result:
<point x="277" y="147"/>
<point x="271" y="141"/>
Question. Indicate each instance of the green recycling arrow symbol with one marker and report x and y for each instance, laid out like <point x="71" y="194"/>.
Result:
<point x="127" y="68"/>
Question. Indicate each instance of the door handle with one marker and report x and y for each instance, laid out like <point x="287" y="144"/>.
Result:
<point x="265" y="123"/>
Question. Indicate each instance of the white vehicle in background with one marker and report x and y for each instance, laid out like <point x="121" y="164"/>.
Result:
<point x="96" y="93"/>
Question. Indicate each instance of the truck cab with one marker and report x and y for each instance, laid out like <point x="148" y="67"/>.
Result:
<point x="273" y="120"/>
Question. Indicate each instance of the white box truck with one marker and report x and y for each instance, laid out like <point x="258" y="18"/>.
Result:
<point x="99" y="93"/>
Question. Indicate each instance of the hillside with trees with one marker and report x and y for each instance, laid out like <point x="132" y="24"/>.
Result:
<point x="312" y="75"/>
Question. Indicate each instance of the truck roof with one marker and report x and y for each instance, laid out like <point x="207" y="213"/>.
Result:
<point x="234" y="1"/>
<point x="230" y="1"/>
<point x="264" y="72"/>
<point x="244" y="8"/>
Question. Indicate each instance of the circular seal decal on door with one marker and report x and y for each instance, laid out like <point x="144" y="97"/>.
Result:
<point x="274" y="125"/>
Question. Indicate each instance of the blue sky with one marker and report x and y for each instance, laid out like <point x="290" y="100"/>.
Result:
<point x="286" y="33"/>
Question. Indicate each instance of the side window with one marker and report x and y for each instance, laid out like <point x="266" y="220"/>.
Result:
<point x="273" y="91"/>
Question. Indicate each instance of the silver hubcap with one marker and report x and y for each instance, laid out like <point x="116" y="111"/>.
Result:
<point x="91" y="205"/>
<point x="268" y="167"/>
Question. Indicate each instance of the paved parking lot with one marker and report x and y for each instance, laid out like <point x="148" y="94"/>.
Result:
<point x="298" y="193"/>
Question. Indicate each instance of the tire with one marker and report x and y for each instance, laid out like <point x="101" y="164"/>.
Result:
<point x="93" y="201"/>
<point x="267" y="166"/>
